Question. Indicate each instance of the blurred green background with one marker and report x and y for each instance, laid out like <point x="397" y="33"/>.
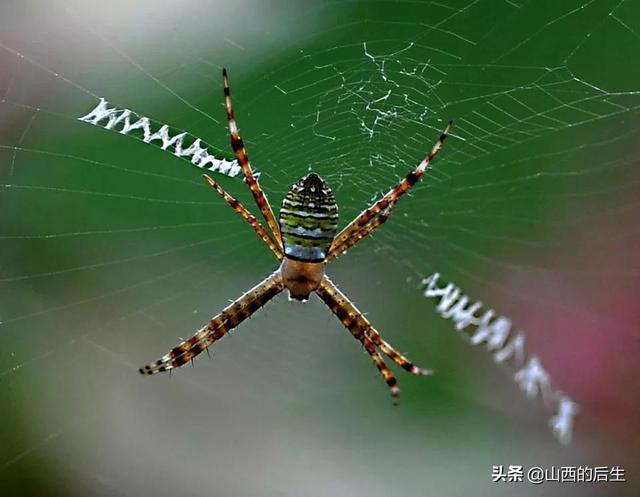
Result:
<point x="111" y="248"/>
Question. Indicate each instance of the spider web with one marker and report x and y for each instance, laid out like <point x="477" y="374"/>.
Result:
<point x="112" y="249"/>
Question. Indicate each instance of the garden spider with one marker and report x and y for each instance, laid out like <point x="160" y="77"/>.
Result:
<point x="304" y="241"/>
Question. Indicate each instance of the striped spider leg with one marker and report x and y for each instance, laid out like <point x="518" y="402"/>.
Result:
<point x="362" y="330"/>
<point x="234" y="314"/>
<point x="359" y="227"/>
<point x="369" y="228"/>
<point x="244" y="212"/>
<point x="304" y="240"/>
<point x="241" y="154"/>
<point x="254" y="299"/>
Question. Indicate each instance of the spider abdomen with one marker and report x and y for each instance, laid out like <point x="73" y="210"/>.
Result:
<point x="308" y="219"/>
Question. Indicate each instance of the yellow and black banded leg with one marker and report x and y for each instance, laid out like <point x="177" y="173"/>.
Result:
<point x="220" y="325"/>
<point x="393" y="195"/>
<point x="359" y="327"/>
<point x="386" y="373"/>
<point x="334" y="302"/>
<point x="241" y="154"/>
<point x="342" y="306"/>
<point x="393" y="354"/>
<point x="244" y="212"/>
<point x="337" y="251"/>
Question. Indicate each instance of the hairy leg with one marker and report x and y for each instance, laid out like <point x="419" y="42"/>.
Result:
<point x="392" y="196"/>
<point x="361" y="329"/>
<point x="337" y="251"/>
<point x="250" y="218"/>
<point x="220" y="325"/>
<point x="241" y="154"/>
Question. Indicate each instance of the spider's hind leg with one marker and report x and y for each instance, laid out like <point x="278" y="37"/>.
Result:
<point x="341" y="248"/>
<point x="366" y="216"/>
<point x="241" y="155"/>
<point x="246" y="215"/>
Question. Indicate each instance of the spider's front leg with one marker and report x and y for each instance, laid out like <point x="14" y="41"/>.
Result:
<point x="219" y="326"/>
<point x="362" y="330"/>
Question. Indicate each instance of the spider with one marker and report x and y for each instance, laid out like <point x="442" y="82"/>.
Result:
<point x="304" y="241"/>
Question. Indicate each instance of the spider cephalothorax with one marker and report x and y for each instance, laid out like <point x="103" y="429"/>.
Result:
<point x="304" y="240"/>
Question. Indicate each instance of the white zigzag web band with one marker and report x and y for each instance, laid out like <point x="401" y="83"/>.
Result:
<point x="126" y="121"/>
<point x="505" y="344"/>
